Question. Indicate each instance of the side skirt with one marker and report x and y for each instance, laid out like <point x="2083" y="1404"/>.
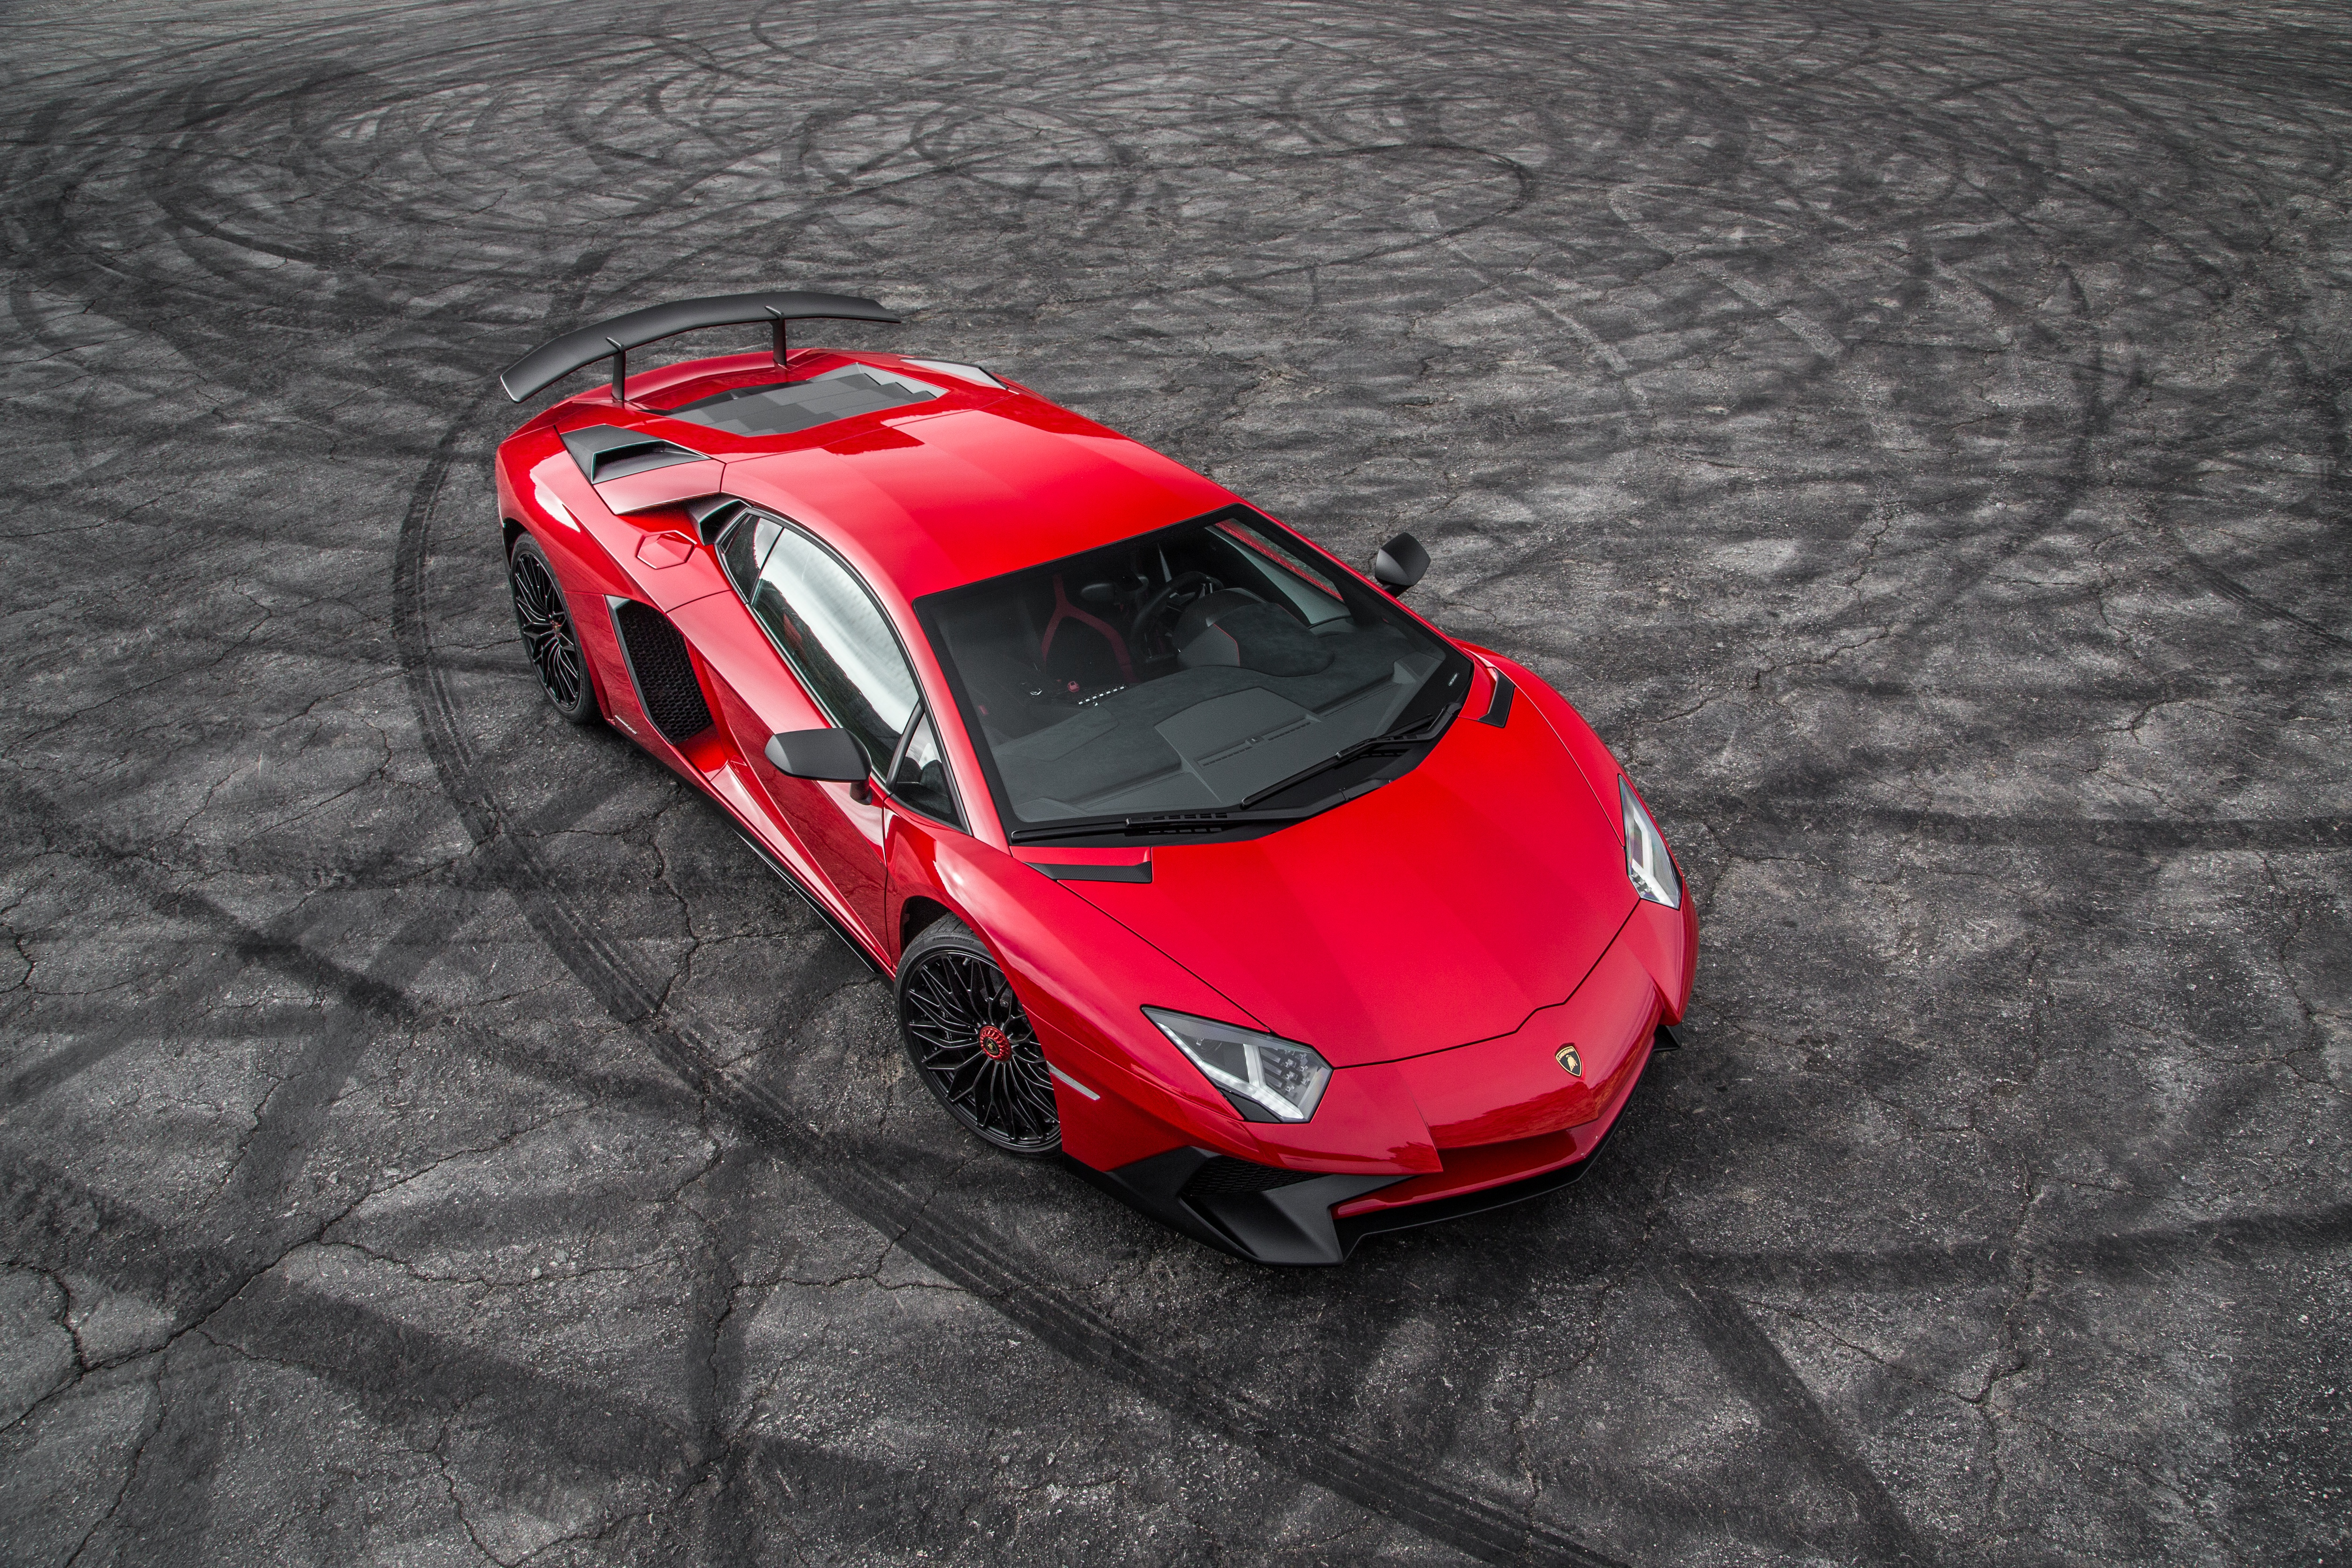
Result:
<point x="793" y="882"/>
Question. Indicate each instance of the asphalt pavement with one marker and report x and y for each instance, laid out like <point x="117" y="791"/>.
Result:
<point x="1915" y="434"/>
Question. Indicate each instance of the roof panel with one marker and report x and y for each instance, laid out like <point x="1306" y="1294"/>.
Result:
<point x="972" y="492"/>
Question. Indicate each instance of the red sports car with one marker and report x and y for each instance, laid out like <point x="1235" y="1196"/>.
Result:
<point x="1194" y="856"/>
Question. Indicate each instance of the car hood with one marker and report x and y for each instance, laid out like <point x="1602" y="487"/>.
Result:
<point x="1440" y="909"/>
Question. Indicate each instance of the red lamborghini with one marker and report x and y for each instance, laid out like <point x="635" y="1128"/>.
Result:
<point x="1192" y="856"/>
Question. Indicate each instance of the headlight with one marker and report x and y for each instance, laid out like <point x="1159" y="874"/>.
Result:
<point x="1268" y="1078"/>
<point x="1647" y="863"/>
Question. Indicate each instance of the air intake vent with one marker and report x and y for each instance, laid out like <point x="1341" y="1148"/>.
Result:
<point x="609" y="452"/>
<point x="666" y="688"/>
<point x="711" y="516"/>
<point x="1226" y="1177"/>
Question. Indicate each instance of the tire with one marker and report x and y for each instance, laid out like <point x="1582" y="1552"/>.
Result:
<point x="549" y="638"/>
<point x="971" y="1044"/>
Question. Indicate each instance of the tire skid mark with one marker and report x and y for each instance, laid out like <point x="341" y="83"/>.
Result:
<point x="1995" y="131"/>
<point x="291" y="1118"/>
<point x="2146" y="1255"/>
<point x="242" y="1301"/>
<point x="1764" y="1378"/>
<point x="2231" y="588"/>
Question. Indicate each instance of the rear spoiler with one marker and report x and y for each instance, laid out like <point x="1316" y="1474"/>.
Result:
<point x="553" y="361"/>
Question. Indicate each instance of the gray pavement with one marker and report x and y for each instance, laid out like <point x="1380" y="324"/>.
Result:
<point x="1915" y="434"/>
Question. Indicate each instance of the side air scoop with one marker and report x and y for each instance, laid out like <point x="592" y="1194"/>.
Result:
<point x="613" y="340"/>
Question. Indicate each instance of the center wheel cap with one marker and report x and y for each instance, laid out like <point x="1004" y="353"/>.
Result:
<point x="994" y="1043"/>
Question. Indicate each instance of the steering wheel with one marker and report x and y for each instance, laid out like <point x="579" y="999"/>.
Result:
<point x="1164" y="600"/>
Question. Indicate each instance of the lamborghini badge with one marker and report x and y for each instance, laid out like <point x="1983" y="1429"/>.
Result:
<point x="1567" y="1058"/>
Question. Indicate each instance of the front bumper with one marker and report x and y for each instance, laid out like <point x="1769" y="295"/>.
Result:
<point x="1508" y="1122"/>
<point x="1269" y="1214"/>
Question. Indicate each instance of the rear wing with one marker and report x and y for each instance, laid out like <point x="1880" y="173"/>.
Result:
<point x="613" y="340"/>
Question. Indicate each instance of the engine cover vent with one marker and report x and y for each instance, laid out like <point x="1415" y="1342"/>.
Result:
<point x="608" y="452"/>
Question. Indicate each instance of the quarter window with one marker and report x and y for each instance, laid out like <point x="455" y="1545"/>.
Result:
<point x="919" y="777"/>
<point x="829" y="629"/>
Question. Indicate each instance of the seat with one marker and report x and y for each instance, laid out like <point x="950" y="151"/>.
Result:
<point x="1080" y="654"/>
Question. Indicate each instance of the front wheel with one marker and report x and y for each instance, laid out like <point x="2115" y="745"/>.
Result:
<point x="970" y="1043"/>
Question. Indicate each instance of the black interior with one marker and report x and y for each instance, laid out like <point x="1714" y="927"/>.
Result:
<point x="1186" y="670"/>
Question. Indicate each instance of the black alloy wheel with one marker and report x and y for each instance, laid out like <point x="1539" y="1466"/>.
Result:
<point x="970" y="1043"/>
<point x="548" y="634"/>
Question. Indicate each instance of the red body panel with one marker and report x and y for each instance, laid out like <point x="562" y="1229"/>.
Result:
<point x="662" y="584"/>
<point x="1438" y="939"/>
<point x="1440" y="909"/>
<point x="1472" y="1168"/>
<point x="1668" y="939"/>
<point x="837" y="833"/>
<point x="971" y="493"/>
<point x="1077" y="974"/>
<point x="1513" y="1087"/>
<point x="663" y="487"/>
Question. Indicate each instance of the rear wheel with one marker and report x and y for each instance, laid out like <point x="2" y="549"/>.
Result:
<point x="970" y="1043"/>
<point x="549" y="635"/>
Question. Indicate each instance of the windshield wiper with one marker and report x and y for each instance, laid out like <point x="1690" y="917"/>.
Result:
<point x="1211" y="821"/>
<point x="1408" y="735"/>
<point x="1214" y="820"/>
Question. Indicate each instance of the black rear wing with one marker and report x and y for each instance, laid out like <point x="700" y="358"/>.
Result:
<point x="613" y="340"/>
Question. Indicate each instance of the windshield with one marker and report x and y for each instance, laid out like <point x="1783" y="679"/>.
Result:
<point x="1222" y="667"/>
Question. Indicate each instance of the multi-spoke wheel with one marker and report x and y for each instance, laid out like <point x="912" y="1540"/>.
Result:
<point x="972" y="1045"/>
<point x="548" y="633"/>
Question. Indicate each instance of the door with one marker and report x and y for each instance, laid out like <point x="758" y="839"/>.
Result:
<point x="841" y="651"/>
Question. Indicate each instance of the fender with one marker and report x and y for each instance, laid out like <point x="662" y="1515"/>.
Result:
<point x="1083" y="979"/>
<point x="1666" y="941"/>
<point x="584" y="570"/>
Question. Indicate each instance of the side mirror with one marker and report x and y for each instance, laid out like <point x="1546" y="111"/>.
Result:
<point x="1399" y="564"/>
<point x="831" y="754"/>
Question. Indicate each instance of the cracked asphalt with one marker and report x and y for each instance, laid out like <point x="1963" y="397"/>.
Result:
<point x="1914" y="433"/>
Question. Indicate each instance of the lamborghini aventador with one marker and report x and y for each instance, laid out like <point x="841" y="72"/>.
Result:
<point x="1194" y="856"/>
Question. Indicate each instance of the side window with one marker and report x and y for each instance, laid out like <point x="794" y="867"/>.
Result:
<point x="921" y="776"/>
<point x="831" y="632"/>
